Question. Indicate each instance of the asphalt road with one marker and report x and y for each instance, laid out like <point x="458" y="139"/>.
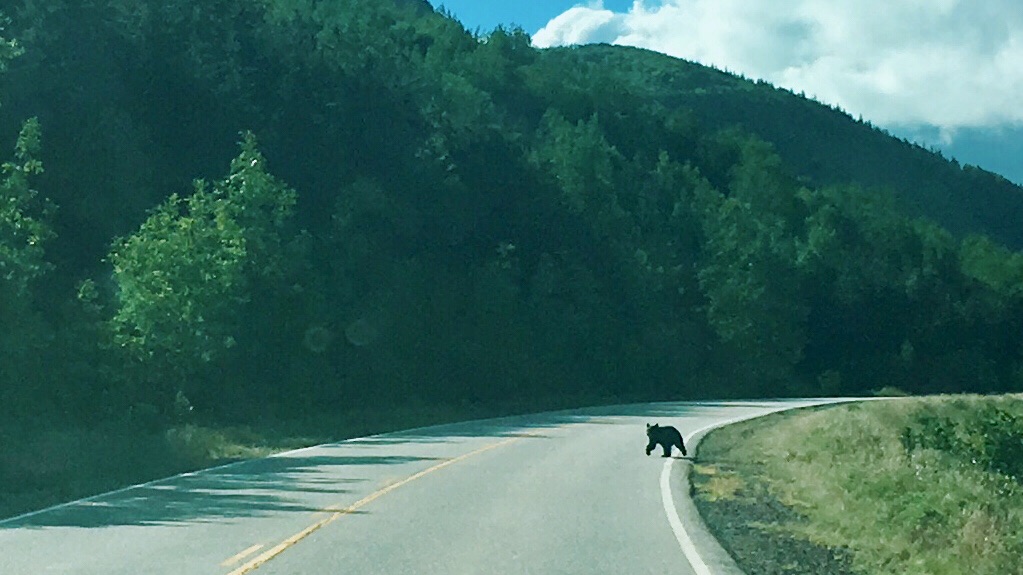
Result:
<point x="556" y="493"/>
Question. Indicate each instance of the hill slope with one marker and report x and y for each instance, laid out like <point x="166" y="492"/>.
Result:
<point x="822" y="144"/>
<point x="394" y="211"/>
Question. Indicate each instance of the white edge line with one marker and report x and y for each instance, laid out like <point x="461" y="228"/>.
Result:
<point x="681" y="535"/>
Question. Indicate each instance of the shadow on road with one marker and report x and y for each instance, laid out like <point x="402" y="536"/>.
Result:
<point x="307" y="480"/>
<point x="249" y="489"/>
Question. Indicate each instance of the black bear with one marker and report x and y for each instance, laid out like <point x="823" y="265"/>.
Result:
<point x="665" y="436"/>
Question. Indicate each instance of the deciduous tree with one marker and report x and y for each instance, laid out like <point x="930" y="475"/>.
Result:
<point x="185" y="276"/>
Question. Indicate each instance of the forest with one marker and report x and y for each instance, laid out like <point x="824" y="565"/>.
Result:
<point x="234" y="209"/>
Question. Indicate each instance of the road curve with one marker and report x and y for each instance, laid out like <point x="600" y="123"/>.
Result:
<point x="563" y="492"/>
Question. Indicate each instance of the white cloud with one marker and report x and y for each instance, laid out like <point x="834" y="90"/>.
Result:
<point x="582" y="25"/>
<point x="946" y="63"/>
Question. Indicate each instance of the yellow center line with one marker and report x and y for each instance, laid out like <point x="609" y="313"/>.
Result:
<point x="240" y="556"/>
<point x="276" y="550"/>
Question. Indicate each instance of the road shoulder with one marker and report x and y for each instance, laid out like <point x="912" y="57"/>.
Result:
<point x="736" y="509"/>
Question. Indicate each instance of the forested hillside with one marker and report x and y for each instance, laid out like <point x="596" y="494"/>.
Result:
<point x="289" y="207"/>
<point x="818" y="143"/>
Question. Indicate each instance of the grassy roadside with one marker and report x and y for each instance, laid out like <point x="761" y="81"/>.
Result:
<point x="912" y="485"/>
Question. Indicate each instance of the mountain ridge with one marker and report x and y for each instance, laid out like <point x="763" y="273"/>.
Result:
<point x="963" y="198"/>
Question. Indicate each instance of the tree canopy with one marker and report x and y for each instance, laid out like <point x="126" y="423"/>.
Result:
<point x="435" y="216"/>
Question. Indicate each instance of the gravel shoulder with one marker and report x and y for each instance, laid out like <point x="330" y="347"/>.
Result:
<point x="751" y="524"/>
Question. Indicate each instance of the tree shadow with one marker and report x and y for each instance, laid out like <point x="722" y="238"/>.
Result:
<point x="307" y="480"/>
<point x="286" y="484"/>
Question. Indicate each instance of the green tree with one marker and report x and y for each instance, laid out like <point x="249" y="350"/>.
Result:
<point x="185" y="276"/>
<point x="9" y="49"/>
<point x="755" y="302"/>
<point x="900" y="302"/>
<point x="24" y="230"/>
<point x="993" y="265"/>
<point x="584" y="167"/>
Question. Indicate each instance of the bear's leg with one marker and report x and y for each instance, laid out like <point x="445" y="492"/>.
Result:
<point x="667" y="449"/>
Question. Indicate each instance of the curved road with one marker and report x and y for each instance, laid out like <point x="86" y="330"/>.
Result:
<point x="563" y="492"/>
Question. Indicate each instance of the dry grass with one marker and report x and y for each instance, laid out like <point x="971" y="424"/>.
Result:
<point x="719" y="485"/>
<point x="910" y="485"/>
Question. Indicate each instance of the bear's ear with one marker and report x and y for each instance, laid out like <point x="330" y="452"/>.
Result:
<point x="648" y="426"/>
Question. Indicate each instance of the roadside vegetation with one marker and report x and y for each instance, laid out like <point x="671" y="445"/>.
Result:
<point x="930" y="485"/>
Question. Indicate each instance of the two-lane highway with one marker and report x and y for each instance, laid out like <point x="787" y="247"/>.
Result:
<point x="564" y="492"/>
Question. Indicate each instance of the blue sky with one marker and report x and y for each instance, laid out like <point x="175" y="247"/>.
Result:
<point x="945" y="73"/>
<point x="531" y="15"/>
